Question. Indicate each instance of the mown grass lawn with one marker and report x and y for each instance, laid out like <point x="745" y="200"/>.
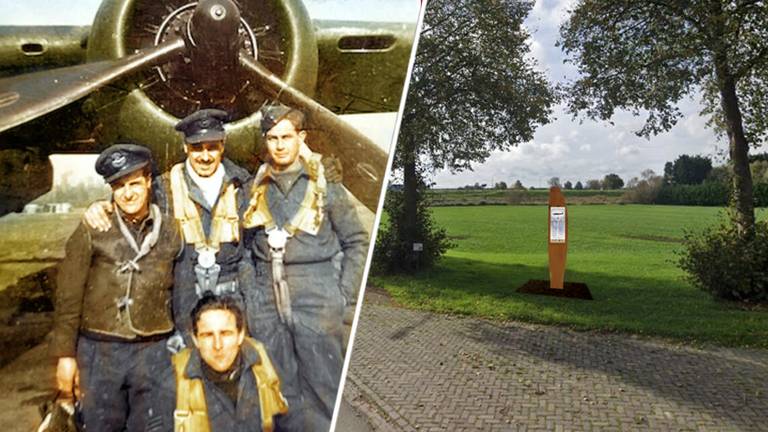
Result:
<point x="30" y="243"/>
<point x="625" y="253"/>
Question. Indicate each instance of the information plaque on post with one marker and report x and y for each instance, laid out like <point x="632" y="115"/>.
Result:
<point x="557" y="247"/>
<point x="558" y="237"/>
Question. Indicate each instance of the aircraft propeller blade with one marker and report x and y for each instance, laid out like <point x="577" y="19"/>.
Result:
<point x="364" y="163"/>
<point x="26" y="97"/>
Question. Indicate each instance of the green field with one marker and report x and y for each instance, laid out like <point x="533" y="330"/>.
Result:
<point x="624" y="253"/>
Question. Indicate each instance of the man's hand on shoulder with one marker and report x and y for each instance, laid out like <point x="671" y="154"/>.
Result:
<point x="97" y="216"/>
<point x="333" y="170"/>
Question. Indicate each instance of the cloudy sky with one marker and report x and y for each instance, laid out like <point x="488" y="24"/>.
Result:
<point x="575" y="151"/>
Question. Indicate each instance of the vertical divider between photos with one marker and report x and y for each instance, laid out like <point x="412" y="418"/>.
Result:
<point x="379" y="209"/>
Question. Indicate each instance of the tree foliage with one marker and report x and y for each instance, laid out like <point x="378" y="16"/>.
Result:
<point x="612" y="181"/>
<point x="727" y="265"/>
<point x="687" y="170"/>
<point x="594" y="184"/>
<point x="394" y="252"/>
<point x="473" y="90"/>
<point x="644" y="190"/>
<point x="646" y="56"/>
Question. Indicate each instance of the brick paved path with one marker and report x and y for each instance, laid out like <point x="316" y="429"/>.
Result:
<point x="420" y="371"/>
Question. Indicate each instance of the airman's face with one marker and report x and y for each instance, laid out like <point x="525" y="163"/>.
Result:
<point x="205" y="157"/>
<point x="283" y="143"/>
<point x="218" y="338"/>
<point x="131" y="194"/>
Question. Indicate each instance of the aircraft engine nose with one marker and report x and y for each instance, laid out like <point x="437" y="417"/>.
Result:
<point x="276" y="33"/>
<point x="213" y="33"/>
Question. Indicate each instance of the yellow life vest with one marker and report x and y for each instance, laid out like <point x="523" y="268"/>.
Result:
<point x="225" y="226"/>
<point x="308" y="218"/>
<point x="191" y="414"/>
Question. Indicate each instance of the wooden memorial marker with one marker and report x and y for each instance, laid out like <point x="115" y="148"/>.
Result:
<point x="558" y="237"/>
<point x="557" y="243"/>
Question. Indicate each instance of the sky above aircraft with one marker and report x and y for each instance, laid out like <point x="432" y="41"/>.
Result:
<point x="78" y="168"/>
<point x="81" y="12"/>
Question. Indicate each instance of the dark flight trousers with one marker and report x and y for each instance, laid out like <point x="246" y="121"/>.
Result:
<point x="307" y="353"/>
<point x="117" y="385"/>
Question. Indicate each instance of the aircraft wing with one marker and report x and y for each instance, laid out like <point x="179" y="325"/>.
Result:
<point x="362" y="65"/>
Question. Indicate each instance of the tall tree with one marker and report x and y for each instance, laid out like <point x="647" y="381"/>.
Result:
<point x="612" y="181"/>
<point x="474" y="89"/>
<point x="648" y="55"/>
<point x="688" y="170"/>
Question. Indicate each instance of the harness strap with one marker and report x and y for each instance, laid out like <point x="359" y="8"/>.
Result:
<point x="308" y="218"/>
<point x="191" y="414"/>
<point x="224" y="224"/>
<point x="271" y="401"/>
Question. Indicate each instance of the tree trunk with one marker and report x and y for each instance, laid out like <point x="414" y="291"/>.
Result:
<point x="743" y="204"/>
<point x="410" y="203"/>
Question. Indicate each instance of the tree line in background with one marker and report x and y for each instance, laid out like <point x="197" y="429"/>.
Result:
<point x="79" y="194"/>
<point x="609" y="182"/>
<point x="693" y="180"/>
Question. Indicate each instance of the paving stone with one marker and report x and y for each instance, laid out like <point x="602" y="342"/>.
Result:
<point x="417" y="371"/>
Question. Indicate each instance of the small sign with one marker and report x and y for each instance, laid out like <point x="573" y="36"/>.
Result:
<point x="418" y="247"/>
<point x="557" y="224"/>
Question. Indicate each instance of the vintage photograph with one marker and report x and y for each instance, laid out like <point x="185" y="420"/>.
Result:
<point x="188" y="197"/>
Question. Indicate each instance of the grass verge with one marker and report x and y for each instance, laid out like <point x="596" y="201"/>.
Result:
<point x="624" y="253"/>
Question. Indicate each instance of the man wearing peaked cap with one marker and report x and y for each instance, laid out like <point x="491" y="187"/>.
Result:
<point x="203" y="125"/>
<point x="208" y="195"/>
<point x="112" y="304"/>
<point x="122" y="159"/>
<point x="298" y="225"/>
<point x="206" y="198"/>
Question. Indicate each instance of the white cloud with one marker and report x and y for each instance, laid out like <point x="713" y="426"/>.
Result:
<point x="628" y="150"/>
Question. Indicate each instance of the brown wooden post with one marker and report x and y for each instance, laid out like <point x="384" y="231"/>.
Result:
<point x="558" y="237"/>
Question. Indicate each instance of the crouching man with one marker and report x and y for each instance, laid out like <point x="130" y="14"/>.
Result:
<point x="112" y="312"/>
<point x="227" y="381"/>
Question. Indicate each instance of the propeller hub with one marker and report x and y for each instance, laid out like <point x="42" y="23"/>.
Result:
<point x="207" y="74"/>
<point x="218" y="12"/>
<point x="215" y="23"/>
